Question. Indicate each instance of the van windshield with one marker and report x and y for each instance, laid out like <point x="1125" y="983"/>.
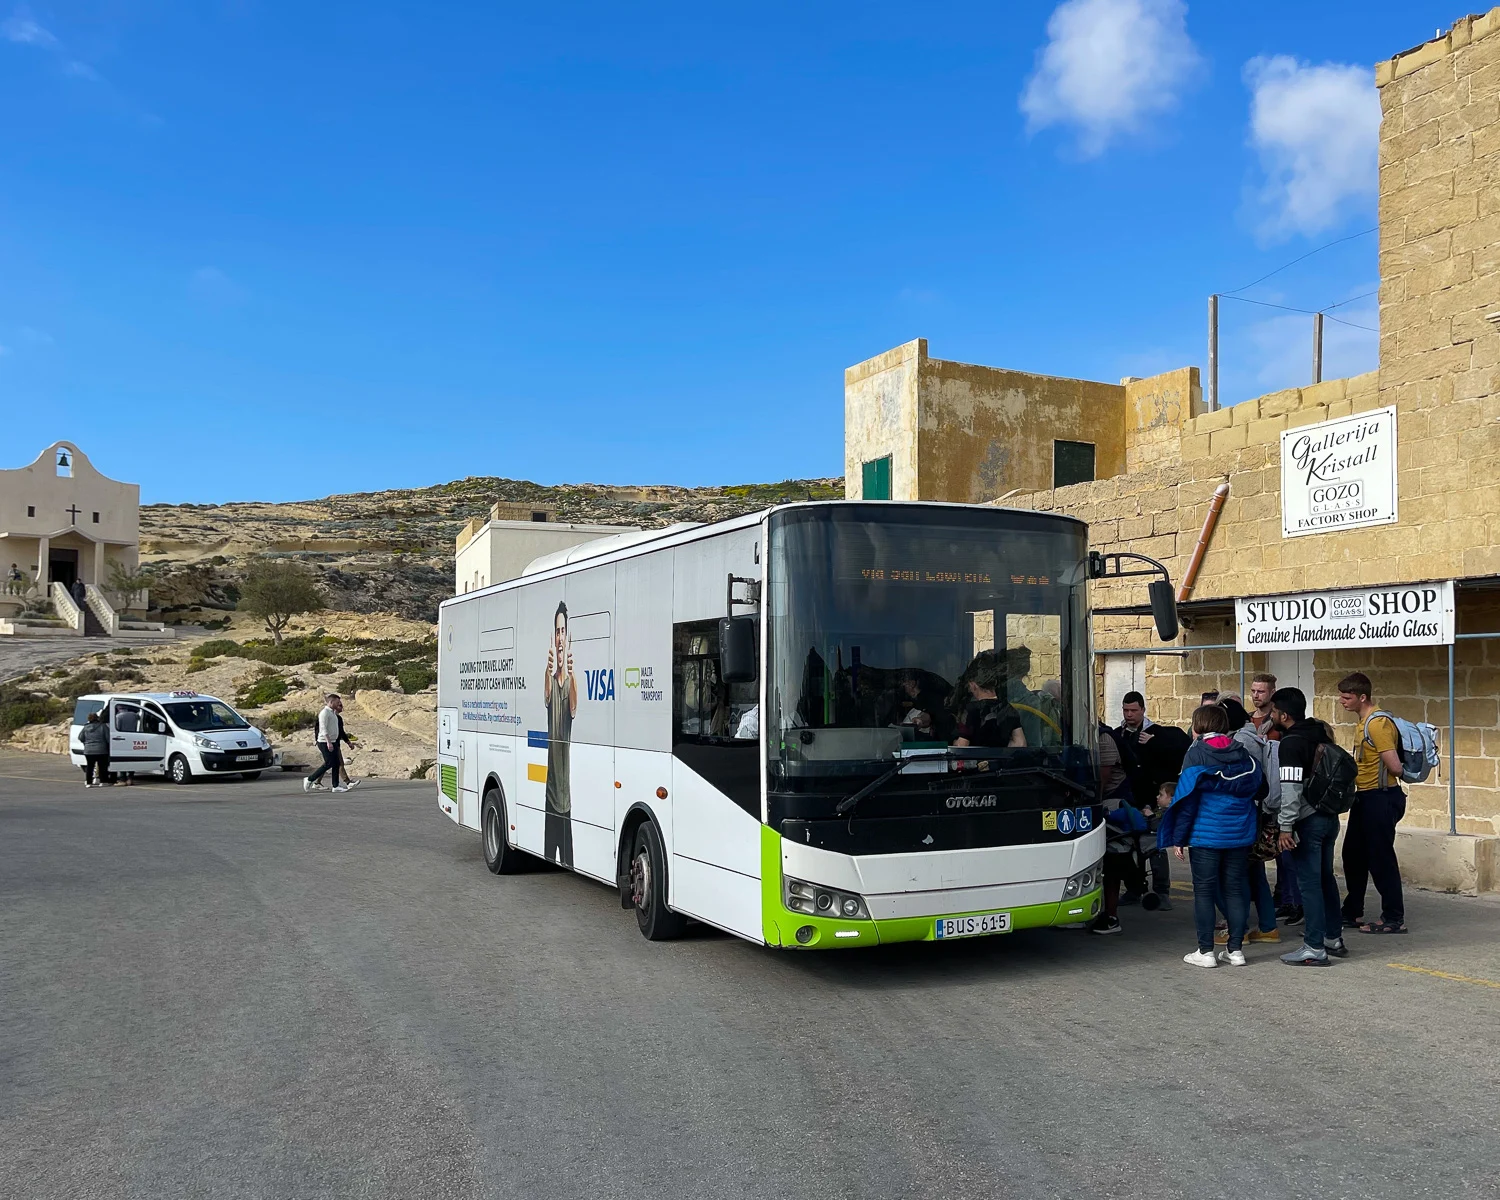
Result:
<point x="200" y="716"/>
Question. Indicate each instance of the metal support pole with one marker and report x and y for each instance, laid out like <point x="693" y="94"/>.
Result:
<point x="1452" y="752"/>
<point x="1317" y="347"/>
<point x="1213" y="353"/>
<point x="1242" y="677"/>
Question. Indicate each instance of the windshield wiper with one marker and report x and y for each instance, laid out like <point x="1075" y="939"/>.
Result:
<point x="850" y="802"/>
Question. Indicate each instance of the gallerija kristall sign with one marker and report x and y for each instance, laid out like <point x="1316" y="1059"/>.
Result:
<point x="1339" y="474"/>
<point x="1398" y="614"/>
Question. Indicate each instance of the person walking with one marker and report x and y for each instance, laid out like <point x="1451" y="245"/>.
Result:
<point x="1307" y="833"/>
<point x="1213" y="817"/>
<point x="344" y="740"/>
<point x="328" y="745"/>
<point x="1379" y="805"/>
<point x="95" y="739"/>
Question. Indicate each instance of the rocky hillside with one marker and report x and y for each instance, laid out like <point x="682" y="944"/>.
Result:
<point x="393" y="551"/>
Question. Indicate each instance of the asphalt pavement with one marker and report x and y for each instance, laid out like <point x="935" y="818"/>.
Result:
<point x="234" y="989"/>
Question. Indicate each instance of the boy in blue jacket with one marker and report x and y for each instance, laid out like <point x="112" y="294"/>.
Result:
<point x="1213" y="815"/>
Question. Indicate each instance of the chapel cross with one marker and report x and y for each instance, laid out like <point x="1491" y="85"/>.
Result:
<point x="73" y="512"/>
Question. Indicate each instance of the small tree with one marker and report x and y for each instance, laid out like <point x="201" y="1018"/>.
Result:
<point x="277" y="590"/>
<point x="125" y="583"/>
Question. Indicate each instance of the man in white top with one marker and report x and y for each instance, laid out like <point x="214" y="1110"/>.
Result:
<point x="328" y="745"/>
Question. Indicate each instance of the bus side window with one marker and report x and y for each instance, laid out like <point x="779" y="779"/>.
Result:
<point x="699" y="701"/>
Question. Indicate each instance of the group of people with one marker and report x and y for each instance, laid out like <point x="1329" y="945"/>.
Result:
<point x="332" y="738"/>
<point x="1247" y="788"/>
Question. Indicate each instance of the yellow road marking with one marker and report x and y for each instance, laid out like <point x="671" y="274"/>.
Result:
<point x="1489" y="983"/>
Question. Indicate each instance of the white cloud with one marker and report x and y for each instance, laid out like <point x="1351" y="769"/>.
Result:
<point x="1108" y="66"/>
<point x="24" y="31"/>
<point x="1316" y="129"/>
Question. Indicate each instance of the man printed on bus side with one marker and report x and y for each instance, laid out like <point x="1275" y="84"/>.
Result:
<point x="1379" y="805"/>
<point x="562" y="707"/>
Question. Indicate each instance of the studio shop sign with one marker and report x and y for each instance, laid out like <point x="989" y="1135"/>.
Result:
<point x="1408" y="614"/>
<point x="1339" y="474"/>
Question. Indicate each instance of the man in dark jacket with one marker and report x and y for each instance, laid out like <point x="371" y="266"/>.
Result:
<point x="1307" y="833"/>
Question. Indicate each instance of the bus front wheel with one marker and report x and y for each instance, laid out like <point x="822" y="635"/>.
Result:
<point x="499" y="855"/>
<point x="648" y="887"/>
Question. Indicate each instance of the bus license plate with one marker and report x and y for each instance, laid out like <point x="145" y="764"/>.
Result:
<point x="957" y="927"/>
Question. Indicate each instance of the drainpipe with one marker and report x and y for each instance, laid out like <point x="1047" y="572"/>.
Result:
<point x="1210" y="523"/>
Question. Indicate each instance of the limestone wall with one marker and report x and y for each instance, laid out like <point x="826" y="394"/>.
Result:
<point x="880" y="418"/>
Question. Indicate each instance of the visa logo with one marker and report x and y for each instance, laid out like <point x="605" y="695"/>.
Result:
<point x="600" y="683"/>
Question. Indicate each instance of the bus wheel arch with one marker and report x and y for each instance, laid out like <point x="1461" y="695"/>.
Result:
<point x="499" y="855"/>
<point x="647" y="881"/>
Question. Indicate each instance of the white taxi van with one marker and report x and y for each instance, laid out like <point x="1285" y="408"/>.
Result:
<point x="177" y="734"/>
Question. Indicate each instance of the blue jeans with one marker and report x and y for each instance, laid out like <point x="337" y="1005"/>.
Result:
<point x="1260" y="895"/>
<point x="1313" y="858"/>
<point x="1219" y="873"/>
<point x="1288" y="891"/>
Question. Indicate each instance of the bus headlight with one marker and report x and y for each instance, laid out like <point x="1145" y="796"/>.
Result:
<point x="1084" y="882"/>
<point x="820" y="901"/>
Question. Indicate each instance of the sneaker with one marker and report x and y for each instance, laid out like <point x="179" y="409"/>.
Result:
<point x="341" y="788"/>
<point x="1105" y="924"/>
<point x="1261" y="935"/>
<point x="1295" y="916"/>
<point x="1232" y="958"/>
<point x="353" y="783"/>
<point x="307" y="783"/>
<point x="1201" y="958"/>
<point x="1336" y="948"/>
<point x="1129" y="898"/>
<point x="1283" y="911"/>
<point x="1306" y="957"/>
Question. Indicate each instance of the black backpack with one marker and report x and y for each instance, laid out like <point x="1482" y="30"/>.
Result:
<point x="1330" y="788"/>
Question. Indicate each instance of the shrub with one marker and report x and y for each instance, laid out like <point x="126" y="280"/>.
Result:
<point x="267" y="690"/>
<point x="365" y="683"/>
<point x="277" y="591"/>
<point x="197" y="664"/>
<point x="420" y="770"/>
<point x="18" y="708"/>
<point x="290" y="720"/>
<point x="415" y="677"/>
<point x="76" y="685"/>
<point x="216" y="647"/>
<point x="126" y="675"/>
<point x="321" y="666"/>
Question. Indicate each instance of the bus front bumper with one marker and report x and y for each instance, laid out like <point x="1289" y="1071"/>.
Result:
<point x="790" y="930"/>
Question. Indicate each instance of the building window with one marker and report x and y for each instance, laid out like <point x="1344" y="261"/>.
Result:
<point x="875" y="479"/>
<point x="538" y="516"/>
<point x="1072" y="462"/>
<point x="31" y="510"/>
<point x="96" y="518"/>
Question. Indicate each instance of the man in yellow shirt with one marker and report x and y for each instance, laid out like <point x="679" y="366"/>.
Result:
<point x="1379" y="804"/>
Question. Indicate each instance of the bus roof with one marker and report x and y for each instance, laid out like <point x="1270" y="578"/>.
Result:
<point x="614" y="549"/>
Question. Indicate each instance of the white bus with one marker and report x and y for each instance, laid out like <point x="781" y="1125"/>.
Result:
<point x="825" y="725"/>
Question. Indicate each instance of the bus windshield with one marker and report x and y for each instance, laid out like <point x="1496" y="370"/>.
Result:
<point x="204" y="716"/>
<point x="925" y="629"/>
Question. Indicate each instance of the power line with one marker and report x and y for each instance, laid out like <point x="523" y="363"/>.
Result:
<point x="1306" y="311"/>
<point x="1295" y="261"/>
<point x="1362" y="296"/>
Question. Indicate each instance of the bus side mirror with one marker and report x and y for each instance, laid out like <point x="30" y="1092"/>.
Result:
<point x="737" y="658"/>
<point x="1163" y="609"/>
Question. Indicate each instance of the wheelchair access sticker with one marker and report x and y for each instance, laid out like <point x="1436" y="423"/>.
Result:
<point x="1085" y="819"/>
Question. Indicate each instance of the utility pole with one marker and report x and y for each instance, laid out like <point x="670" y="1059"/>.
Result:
<point x="1317" y="347"/>
<point x="1213" y="353"/>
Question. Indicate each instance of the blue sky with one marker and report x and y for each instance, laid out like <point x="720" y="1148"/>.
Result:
<point x="257" y="251"/>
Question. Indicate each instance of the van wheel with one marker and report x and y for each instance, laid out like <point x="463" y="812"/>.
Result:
<point x="179" y="771"/>
<point x="499" y="856"/>
<point x="249" y="776"/>
<point x="648" y="887"/>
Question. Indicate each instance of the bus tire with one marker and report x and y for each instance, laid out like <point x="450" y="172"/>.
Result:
<point x="178" y="770"/>
<point x="648" y="887"/>
<point x="499" y="855"/>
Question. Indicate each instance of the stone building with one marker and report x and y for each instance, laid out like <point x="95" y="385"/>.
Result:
<point x="494" y="550"/>
<point x="61" y="520"/>
<point x="951" y="431"/>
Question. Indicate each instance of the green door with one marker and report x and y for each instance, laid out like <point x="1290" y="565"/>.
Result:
<point x="875" y="483"/>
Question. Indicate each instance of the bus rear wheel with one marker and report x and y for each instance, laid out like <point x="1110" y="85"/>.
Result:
<point x="499" y="856"/>
<point x="648" y="887"/>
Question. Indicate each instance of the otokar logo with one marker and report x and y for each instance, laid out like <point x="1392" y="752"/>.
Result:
<point x="956" y="802"/>
<point x="600" y="683"/>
